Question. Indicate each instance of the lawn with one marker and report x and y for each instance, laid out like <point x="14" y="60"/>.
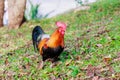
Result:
<point x="92" y="46"/>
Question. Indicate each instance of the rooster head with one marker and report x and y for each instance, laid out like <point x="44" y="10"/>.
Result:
<point x="62" y="27"/>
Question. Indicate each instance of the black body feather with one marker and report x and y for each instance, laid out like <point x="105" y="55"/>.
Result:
<point x="52" y="53"/>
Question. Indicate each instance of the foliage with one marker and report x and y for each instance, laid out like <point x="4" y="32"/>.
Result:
<point x="79" y="2"/>
<point x="33" y="11"/>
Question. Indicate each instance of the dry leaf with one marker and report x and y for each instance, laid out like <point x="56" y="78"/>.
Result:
<point x="102" y="79"/>
<point x="95" y="78"/>
<point x="107" y="60"/>
<point x="68" y="62"/>
<point x="5" y="45"/>
<point x="111" y="69"/>
<point x="78" y="58"/>
<point x="6" y="61"/>
<point x="106" y="78"/>
<point x="98" y="45"/>
<point x="118" y="54"/>
<point x="52" y="77"/>
<point x="6" y="35"/>
<point x="58" y="79"/>
<point x="27" y="65"/>
<point x="117" y="59"/>
<point x="90" y="71"/>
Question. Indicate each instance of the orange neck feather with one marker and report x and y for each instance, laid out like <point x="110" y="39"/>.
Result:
<point x="56" y="39"/>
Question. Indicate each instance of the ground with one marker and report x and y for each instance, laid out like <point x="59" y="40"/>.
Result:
<point x="92" y="48"/>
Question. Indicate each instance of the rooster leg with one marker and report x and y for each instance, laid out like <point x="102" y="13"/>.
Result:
<point x="54" y="62"/>
<point x="41" y="64"/>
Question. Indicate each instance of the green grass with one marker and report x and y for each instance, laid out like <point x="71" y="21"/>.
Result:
<point x="92" y="38"/>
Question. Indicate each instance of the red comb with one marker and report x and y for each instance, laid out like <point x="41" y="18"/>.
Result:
<point x="61" y="24"/>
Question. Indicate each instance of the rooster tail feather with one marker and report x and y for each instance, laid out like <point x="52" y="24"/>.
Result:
<point x="36" y="36"/>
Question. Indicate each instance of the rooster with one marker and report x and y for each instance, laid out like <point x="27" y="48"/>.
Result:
<point x="49" y="47"/>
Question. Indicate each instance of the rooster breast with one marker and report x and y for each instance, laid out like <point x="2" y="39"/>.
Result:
<point x="51" y="52"/>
